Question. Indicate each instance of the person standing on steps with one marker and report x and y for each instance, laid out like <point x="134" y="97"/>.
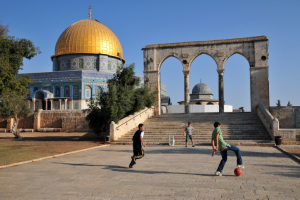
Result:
<point x="138" y="144"/>
<point x="218" y="143"/>
<point x="189" y="130"/>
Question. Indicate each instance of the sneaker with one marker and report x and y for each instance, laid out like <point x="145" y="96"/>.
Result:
<point x="218" y="173"/>
<point x="186" y="145"/>
<point x="193" y="145"/>
<point x="240" y="166"/>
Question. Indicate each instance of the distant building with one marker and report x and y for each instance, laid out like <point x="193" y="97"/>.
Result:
<point x="201" y="95"/>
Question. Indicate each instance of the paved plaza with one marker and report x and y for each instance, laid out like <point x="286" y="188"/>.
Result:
<point x="164" y="173"/>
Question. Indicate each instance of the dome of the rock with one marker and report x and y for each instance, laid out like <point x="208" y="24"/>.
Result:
<point x="88" y="37"/>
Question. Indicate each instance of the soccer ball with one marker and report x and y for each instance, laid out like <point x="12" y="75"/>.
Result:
<point x="238" y="172"/>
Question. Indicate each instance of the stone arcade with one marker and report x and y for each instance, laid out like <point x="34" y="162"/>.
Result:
<point x="254" y="49"/>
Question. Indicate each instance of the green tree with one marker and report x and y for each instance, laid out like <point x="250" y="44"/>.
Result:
<point x="123" y="98"/>
<point x="13" y="89"/>
<point x="13" y="106"/>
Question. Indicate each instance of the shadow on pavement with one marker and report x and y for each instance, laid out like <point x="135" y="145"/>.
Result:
<point x="116" y="168"/>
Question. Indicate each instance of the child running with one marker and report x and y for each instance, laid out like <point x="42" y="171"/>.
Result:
<point x="218" y="143"/>
<point x="189" y="130"/>
<point x="138" y="143"/>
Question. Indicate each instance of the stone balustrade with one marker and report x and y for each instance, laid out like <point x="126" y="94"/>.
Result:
<point x="128" y="123"/>
<point x="271" y="123"/>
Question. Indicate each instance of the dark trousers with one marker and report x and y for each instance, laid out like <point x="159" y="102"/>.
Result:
<point x="224" y="156"/>
<point x="138" y="151"/>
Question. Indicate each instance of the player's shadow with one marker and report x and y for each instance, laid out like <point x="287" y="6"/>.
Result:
<point x="116" y="168"/>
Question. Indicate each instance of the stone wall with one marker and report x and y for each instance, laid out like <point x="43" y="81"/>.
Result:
<point x="26" y="123"/>
<point x="288" y="116"/>
<point x="288" y="136"/>
<point x="66" y="120"/>
<point x="74" y="124"/>
<point x="291" y="135"/>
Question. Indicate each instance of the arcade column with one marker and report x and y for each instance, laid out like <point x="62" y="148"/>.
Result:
<point x="186" y="90"/>
<point x="221" y="90"/>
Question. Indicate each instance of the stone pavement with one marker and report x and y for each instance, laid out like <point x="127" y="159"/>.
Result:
<point x="164" y="173"/>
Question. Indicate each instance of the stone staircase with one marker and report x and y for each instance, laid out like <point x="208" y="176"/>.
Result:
<point x="238" y="129"/>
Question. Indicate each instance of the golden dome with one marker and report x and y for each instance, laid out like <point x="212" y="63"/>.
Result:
<point x="88" y="36"/>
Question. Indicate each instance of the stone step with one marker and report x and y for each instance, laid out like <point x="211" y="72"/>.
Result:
<point x="237" y="128"/>
<point x="2" y="130"/>
<point x="49" y="129"/>
<point x="236" y="143"/>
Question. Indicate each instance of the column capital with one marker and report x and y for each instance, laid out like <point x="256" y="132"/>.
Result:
<point x="51" y="100"/>
<point x="186" y="72"/>
<point x="46" y="99"/>
<point x="33" y="99"/>
<point x="221" y="71"/>
<point x="59" y="100"/>
<point x="66" y="99"/>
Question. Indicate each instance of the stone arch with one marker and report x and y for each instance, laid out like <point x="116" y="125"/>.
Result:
<point x="234" y="54"/>
<point x="39" y="94"/>
<point x="198" y="55"/>
<point x="169" y="56"/>
<point x="254" y="49"/>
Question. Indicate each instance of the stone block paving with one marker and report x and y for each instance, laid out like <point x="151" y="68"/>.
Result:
<point x="164" y="173"/>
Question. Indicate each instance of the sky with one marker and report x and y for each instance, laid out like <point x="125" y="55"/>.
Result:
<point x="138" y="23"/>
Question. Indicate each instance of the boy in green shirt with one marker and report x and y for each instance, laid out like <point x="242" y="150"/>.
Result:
<point x="218" y="143"/>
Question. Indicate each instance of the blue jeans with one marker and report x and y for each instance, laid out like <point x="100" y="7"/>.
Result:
<point x="224" y="156"/>
<point x="187" y="137"/>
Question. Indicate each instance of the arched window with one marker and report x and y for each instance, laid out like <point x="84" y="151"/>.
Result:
<point x="57" y="91"/>
<point x="76" y="92"/>
<point x="35" y="89"/>
<point x="98" y="92"/>
<point x="88" y="92"/>
<point x="67" y="91"/>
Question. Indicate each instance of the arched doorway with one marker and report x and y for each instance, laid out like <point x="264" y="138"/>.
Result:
<point x="40" y="102"/>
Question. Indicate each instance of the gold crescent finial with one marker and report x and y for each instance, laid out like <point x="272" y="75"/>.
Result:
<point x="90" y="7"/>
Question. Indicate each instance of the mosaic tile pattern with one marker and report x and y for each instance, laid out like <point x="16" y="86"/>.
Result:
<point x="74" y="63"/>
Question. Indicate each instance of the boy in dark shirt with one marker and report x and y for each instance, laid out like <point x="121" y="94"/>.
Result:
<point x="138" y="144"/>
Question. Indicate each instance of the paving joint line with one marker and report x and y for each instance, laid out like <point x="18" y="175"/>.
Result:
<point x="295" y="158"/>
<point x="55" y="156"/>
